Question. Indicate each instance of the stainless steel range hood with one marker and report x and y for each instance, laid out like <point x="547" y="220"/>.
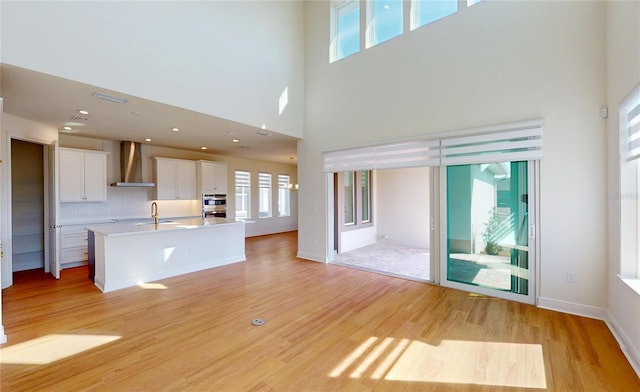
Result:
<point x="131" y="166"/>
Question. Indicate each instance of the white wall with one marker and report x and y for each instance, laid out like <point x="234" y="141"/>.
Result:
<point x="492" y="63"/>
<point x="623" y="74"/>
<point x="402" y="206"/>
<point x="231" y="59"/>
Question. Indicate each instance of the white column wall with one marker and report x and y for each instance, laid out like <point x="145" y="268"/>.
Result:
<point x="230" y="59"/>
<point x="492" y="63"/>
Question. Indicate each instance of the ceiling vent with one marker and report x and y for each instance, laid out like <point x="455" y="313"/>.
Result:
<point x="78" y="118"/>
<point x="111" y="98"/>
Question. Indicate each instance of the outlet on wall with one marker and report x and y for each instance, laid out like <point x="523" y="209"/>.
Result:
<point x="571" y="277"/>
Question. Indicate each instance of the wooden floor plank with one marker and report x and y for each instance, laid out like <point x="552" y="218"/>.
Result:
<point x="328" y="328"/>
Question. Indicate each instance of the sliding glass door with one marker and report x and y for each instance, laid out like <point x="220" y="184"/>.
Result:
<point x="488" y="236"/>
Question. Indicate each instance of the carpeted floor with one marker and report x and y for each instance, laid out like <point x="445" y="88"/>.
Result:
<point x="388" y="258"/>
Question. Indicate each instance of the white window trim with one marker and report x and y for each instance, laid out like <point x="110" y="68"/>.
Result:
<point x="336" y="8"/>
<point x="629" y="187"/>
<point x="261" y="186"/>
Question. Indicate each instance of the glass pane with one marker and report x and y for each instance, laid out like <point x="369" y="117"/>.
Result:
<point x="243" y="191"/>
<point x="284" y="195"/>
<point x="348" y="29"/>
<point x="366" y="196"/>
<point x="427" y="11"/>
<point x="264" y="199"/>
<point x="487" y="226"/>
<point x="387" y="20"/>
<point x="349" y="199"/>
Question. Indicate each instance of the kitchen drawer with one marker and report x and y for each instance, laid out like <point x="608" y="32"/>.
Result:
<point x="74" y="239"/>
<point x="74" y="254"/>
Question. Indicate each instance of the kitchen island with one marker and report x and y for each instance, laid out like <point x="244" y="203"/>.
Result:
<point x="125" y="255"/>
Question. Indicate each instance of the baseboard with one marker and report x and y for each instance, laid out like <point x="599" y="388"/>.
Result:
<point x="312" y="257"/>
<point x="632" y="353"/>
<point x="572" y="308"/>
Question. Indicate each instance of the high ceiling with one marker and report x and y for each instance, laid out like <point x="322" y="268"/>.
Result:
<point x="56" y="102"/>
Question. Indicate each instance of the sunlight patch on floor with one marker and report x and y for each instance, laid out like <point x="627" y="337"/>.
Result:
<point x="51" y="348"/>
<point x="452" y="361"/>
<point x="152" y="286"/>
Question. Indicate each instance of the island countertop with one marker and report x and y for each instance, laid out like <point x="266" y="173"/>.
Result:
<point x="115" y="229"/>
<point x="126" y="254"/>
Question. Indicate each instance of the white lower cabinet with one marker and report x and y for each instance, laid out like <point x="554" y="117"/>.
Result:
<point x="73" y="246"/>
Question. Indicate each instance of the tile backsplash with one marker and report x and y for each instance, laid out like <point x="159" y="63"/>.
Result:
<point x="129" y="202"/>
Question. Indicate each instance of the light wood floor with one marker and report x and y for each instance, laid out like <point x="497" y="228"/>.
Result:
<point x="328" y="328"/>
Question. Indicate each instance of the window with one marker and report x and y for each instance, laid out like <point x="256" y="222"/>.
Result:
<point x="365" y="196"/>
<point x="243" y="195"/>
<point x="426" y="11"/>
<point x="284" y="195"/>
<point x="630" y="185"/>
<point x="356" y="197"/>
<point x="345" y="29"/>
<point x="384" y="20"/>
<point x="264" y="197"/>
<point x="349" y="199"/>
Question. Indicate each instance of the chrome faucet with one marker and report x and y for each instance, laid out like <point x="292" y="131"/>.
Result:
<point x="154" y="212"/>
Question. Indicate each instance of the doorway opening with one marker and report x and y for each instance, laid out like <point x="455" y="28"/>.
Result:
<point x="27" y="205"/>
<point x="395" y="237"/>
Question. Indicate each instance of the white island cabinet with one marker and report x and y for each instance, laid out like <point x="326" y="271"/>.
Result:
<point x="125" y="255"/>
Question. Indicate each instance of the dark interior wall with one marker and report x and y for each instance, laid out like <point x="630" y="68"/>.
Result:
<point x="27" y="205"/>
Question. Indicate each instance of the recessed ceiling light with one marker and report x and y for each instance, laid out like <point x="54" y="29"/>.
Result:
<point x="236" y="141"/>
<point x="175" y="129"/>
<point x="83" y="112"/>
<point x="67" y="128"/>
<point x="147" y="140"/>
<point x="203" y="148"/>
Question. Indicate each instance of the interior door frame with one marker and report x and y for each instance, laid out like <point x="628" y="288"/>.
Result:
<point x="533" y="174"/>
<point x="52" y="217"/>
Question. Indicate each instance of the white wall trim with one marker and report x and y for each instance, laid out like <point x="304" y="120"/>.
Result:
<point x="628" y="349"/>
<point x="630" y="352"/>
<point x="3" y="337"/>
<point x="311" y="256"/>
<point x="572" y="308"/>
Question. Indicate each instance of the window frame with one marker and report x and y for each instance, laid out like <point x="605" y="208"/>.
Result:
<point x="265" y="192"/>
<point x="284" y="196"/>
<point x="629" y="191"/>
<point x="370" y="29"/>
<point x="414" y="13"/>
<point x="245" y="195"/>
<point x="339" y="8"/>
<point x="358" y="222"/>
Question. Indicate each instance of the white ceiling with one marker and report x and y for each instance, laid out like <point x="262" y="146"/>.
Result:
<point x="55" y="101"/>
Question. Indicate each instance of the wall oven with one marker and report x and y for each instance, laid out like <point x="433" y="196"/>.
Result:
<point x="214" y="205"/>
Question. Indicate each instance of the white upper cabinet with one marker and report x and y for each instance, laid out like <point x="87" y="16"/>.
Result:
<point x="83" y="175"/>
<point x="175" y="179"/>
<point x="211" y="177"/>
